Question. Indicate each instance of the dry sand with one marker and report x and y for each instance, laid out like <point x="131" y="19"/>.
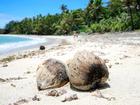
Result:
<point x="122" y="50"/>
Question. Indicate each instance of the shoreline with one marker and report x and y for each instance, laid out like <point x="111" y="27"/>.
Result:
<point x="55" y="40"/>
<point x="51" y="42"/>
<point x="123" y="64"/>
<point x="29" y="45"/>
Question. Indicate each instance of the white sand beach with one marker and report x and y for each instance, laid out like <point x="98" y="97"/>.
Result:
<point x="121" y="50"/>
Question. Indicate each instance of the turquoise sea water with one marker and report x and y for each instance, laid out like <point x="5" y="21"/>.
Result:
<point x="14" y="43"/>
<point x="4" y="39"/>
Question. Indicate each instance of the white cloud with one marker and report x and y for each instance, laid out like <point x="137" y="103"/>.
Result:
<point x="5" y="18"/>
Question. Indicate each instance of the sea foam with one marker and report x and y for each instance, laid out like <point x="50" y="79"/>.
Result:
<point x="18" y="46"/>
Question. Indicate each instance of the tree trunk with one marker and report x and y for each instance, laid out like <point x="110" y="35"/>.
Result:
<point x="130" y="13"/>
<point x="138" y="5"/>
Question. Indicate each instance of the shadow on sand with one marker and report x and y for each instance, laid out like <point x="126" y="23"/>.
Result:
<point x="97" y="86"/>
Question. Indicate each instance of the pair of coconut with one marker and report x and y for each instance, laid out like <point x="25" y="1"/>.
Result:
<point x="83" y="71"/>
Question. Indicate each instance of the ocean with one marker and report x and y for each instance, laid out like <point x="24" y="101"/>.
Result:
<point x="4" y="39"/>
<point x="15" y="43"/>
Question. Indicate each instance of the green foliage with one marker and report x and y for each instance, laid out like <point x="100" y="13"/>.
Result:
<point x="70" y="22"/>
<point x="115" y="7"/>
<point x="117" y="15"/>
<point x="64" y="8"/>
<point x="85" y="29"/>
<point x="136" y="21"/>
<point x="118" y="23"/>
<point x="11" y="27"/>
<point x="94" y="12"/>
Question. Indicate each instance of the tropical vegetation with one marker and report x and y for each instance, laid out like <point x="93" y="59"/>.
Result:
<point x="98" y="16"/>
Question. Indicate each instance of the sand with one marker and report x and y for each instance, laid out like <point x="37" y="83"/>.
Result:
<point x="121" y="50"/>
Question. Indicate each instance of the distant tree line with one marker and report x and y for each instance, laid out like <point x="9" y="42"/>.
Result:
<point x="98" y="16"/>
<point x="2" y="31"/>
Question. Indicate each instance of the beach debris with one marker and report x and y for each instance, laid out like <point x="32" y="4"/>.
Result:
<point x="97" y="93"/>
<point x="56" y="93"/>
<point x="33" y="53"/>
<point x="28" y="72"/>
<point x="53" y="93"/>
<point x="42" y="47"/>
<point x="86" y="70"/>
<point x="70" y="98"/>
<point x="117" y="63"/>
<point x="20" y="102"/>
<point x="5" y="64"/>
<point x="11" y="79"/>
<point x="106" y="60"/>
<point x="124" y="56"/>
<point x="25" y="55"/>
<point x="15" y="78"/>
<point x="8" y="59"/>
<point x="2" y="80"/>
<point x="102" y="53"/>
<point x="36" y="98"/>
<point x="109" y="65"/>
<point x="13" y="85"/>
<point x="51" y="74"/>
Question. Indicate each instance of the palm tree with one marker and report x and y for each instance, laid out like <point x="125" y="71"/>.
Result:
<point x="128" y="4"/>
<point x="93" y="11"/>
<point x="64" y="8"/>
<point x="138" y="5"/>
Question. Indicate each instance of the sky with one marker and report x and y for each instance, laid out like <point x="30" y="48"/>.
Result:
<point x="19" y="9"/>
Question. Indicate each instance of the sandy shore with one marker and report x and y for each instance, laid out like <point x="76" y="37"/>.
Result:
<point x="122" y="50"/>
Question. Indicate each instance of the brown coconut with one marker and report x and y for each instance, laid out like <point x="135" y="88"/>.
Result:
<point x="51" y="74"/>
<point x="86" y="70"/>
